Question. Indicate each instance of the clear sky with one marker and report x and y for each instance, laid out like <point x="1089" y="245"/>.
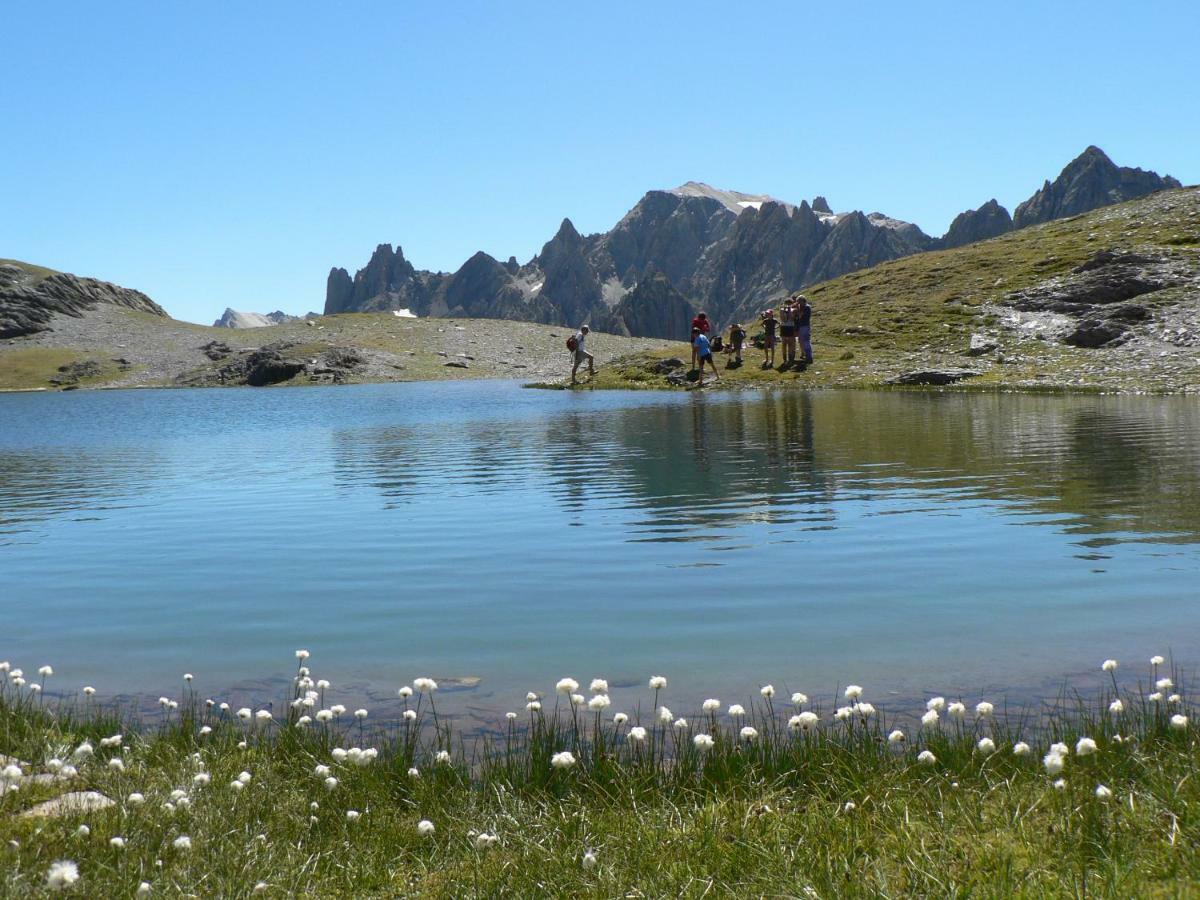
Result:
<point x="227" y="154"/>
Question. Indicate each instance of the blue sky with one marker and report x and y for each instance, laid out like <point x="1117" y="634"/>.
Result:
<point x="227" y="154"/>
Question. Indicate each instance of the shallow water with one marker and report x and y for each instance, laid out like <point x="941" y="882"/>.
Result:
<point x="904" y="541"/>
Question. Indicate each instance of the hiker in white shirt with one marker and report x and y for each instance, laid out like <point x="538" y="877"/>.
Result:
<point x="581" y="354"/>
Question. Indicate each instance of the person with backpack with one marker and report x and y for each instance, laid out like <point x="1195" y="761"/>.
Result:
<point x="804" y="328"/>
<point x="577" y="344"/>
<point x="769" y="322"/>
<point x="787" y="331"/>
<point x="737" y="337"/>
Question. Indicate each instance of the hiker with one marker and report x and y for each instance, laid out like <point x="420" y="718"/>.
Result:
<point x="737" y="336"/>
<point x="769" y="322"/>
<point x="581" y="353"/>
<point x="703" y="351"/>
<point x="701" y="324"/>
<point x="804" y="328"/>
<point x="787" y="330"/>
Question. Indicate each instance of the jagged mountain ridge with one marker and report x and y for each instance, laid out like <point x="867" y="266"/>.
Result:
<point x="723" y="251"/>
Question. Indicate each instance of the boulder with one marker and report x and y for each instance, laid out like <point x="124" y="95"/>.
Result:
<point x="981" y="344"/>
<point x="934" y="377"/>
<point x="1095" y="333"/>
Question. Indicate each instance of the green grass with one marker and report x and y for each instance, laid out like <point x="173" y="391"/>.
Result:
<point x="835" y="812"/>
<point x="27" y="368"/>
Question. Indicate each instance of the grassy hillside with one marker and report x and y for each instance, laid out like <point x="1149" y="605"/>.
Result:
<point x="37" y="273"/>
<point x="920" y="311"/>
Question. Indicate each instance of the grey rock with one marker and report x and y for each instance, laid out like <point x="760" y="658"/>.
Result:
<point x="456" y="364"/>
<point x="981" y="344"/>
<point x="28" y="305"/>
<point x="664" y="366"/>
<point x="934" y="377"/>
<point x="1095" y="333"/>
<point x="67" y="804"/>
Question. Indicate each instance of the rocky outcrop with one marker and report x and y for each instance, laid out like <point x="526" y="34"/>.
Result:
<point x="989" y="221"/>
<point x="652" y="309"/>
<point x="233" y="318"/>
<point x="274" y="364"/>
<point x="1089" y="181"/>
<point x="28" y="305"/>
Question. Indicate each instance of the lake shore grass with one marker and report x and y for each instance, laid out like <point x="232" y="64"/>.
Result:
<point x="566" y="798"/>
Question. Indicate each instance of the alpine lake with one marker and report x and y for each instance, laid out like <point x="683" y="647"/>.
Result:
<point x="497" y="539"/>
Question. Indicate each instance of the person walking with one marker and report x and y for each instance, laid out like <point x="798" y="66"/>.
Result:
<point x="703" y="350"/>
<point x="769" y="324"/>
<point x="581" y="353"/>
<point x="737" y="337"/>
<point x="804" y="328"/>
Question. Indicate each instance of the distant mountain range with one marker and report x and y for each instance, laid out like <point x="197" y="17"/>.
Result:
<point x="233" y="318"/>
<point x="696" y="247"/>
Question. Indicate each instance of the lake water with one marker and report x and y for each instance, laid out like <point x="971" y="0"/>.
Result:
<point x="910" y="542"/>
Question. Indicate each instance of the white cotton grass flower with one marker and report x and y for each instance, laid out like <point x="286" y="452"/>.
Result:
<point x="853" y="691"/>
<point x="339" y="753"/>
<point x="82" y="831"/>
<point x="986" y="746"/>
<point x="111" y="741"/>
<point x="936" y="703"/>
<point x="323" y="685"/>
<point x="843" y="713"/>
<point x="703" y="741"/>
<point x="1174" y="699"/>
<point x="637" y="733"/>
<point x="187" y="676"/>
<point x="183" y="842"/>
<point x="321" y="770"/>
<point x="896" y="737"/>
<point x="83" y="751"/>
<point x="442" y="757"/>
<point x="620" y="719"/>
<point x="1156" y="697"/>
<point x="589" y="860"/>
<point x="1117" y="706"/>
<point x="1061" y="749"/>
<point x="665" y="715"/>
<point x="1020" y="748"/>
<point x="1156" y="660"/>
<point x="324" y="716"/>
<point x="302" y="654"/>
<point x="799" y="699"/>
<point x="1103" y="793"/>
<point x="245" y="713"/>
<point x="89" y="691"/>
<point x="425" y="685"/>
<point x="984" y="710"/>
<point x="957" y="710"/>
<point x="117" y="764"/>
<point x="531" y="696"/>
<point x="737" y="710"/>
<point x="414" y="772"/>
<point x="930" y="719"/>
<point x="1179" y="722"/>
<point x="200" y="779"/>
<point x="303" y="721"/>
<point x="1164" y="684"/>
<point x="926" y="758"/>
<point x="136" y="799"/>
<point x="330" y="783"/>
<point x="54" y="765"/>
<point x="866" y="710"/>
<point x="564" y="759"/>
<point x="748" y="734"/>
<point x="61" y="875"/>
<point x="45" y="671"/>
<point x="510" y="716"/>
<point x="1060" y="784"/>
<point x="360" y="714"/>
<point x="1085" y="746"/>
<point x="566" y="686"/>
<point x="767" y="691"/>
<point x="658" y="682"/>
<point x="263" y="716"/>
<point x="599" y="702"/>
<point x="1054" y="763"/>
<point x="805" y="721"/>
<point x="598" y="686"/>
<point x="680" y="724"/>
<point x="178" y="794"/>
<point x="712" y="704"/>
<point x="405" y="692"/>
<point x="578" y="700"/>
<point x="410" y="715"/>
<point x="260" y="887"/>
<point x="532" y="706"/>
<point x="483" y="840"/>
<point x="1109" y="665"/>
<point x="118" y="842"/>
<point x="205" y="730"/>
<point x="224" y="707"/>
<point x="352" y="815"/>
<point x="425" y="828"/>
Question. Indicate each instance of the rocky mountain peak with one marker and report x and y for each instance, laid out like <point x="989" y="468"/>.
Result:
<point x="989" y="221"/>
<point x="821" y="205"/>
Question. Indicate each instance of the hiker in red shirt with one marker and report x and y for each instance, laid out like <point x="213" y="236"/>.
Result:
<point x="702" y="325"/>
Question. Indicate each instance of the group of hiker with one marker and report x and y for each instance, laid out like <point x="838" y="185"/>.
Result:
<point x="792" y="325"/>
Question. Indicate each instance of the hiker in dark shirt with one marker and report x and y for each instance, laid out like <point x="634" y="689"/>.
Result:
<point x="769" y="323"/>
<point x="737" y="337"/>
<point x="787" y="331"/>
<point x="804" y="328"/>
<point x="701" y="324"/>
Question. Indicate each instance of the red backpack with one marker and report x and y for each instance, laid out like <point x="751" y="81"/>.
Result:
<point x="572" y="344"/>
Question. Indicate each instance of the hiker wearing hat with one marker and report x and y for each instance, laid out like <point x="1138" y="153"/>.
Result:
<point x="701" y="324"/>
<point x="769" y="324"/>
<point x="737" y="337"/>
